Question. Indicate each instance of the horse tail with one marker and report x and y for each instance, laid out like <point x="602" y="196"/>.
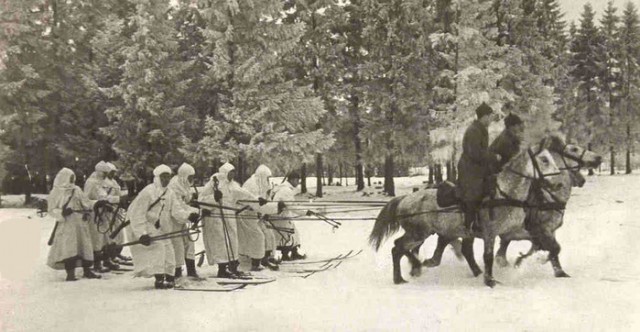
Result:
<point x="386" y="223"/>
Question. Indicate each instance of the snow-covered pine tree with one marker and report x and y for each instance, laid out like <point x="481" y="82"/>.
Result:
<point x="264" y="112"/>
<point x="397" y="69"/>
<point x="146" y="118"/>
<point x="611" y="80"/>
<point x="585" y="123"/>
<point x="629" y="45"/>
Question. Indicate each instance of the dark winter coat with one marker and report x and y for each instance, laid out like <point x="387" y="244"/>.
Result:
<point x="476" y="163"/>
<point x="507" y="146"/>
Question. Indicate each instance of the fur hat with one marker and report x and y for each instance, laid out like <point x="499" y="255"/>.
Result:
<point x="483" y="110"/>
<point x="512" y="120"/>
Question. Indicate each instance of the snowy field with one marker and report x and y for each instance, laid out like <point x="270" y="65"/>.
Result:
<point x="600" y="240"/>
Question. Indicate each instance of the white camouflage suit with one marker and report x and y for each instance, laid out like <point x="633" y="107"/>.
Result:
<point x="182" y="247"/>
<point x="72" y="238"/>
<point x="96" y="188"/>
<point x="253" y="235"/>
<point x="157" y="258"/>
<point x="115" y="190"/>
<point x="283" y="193"/>
<point x="220" y="234"/>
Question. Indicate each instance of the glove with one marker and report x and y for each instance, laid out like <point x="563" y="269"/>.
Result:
<point x="100" y="204"/>
<point x="206" y="213"/>
<point x="145" y="240"/>
<point x="217" y="195"/>
<point x="310" y="213"/>
<point x="67" y="212"/>
<point x="193" y="217"/>
<point x="262" y="201"/>
<point x="194" y="197"/>
<point x="281" y="207"/>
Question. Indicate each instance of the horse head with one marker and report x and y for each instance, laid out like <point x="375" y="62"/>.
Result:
<point x="581" y="157"/>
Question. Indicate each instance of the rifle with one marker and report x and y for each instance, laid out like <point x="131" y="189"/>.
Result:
<point x="55" y="228"/>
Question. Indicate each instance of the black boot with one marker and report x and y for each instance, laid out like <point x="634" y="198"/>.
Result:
<point x="97" y="262"/>
<point x="110" y="265"/>
<point x="255" y="265"/>
<point x="178" y="272"/>
<point x="191" y="268"/>
<point x="285" y="254"/>
<point x="70" y="267"/>
<point x="170" y="281"/>
<point x="233" y="268"/>
<point x="159" y="284"/>
<point x="295" y="255"/>
<point x="223" y="272"/>
<point x="268" y="263"/>
<point x="86" y="266"/>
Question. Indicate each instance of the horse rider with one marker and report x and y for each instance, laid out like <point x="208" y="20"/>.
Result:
<point x="508" y="143"/>
<point x="476" y="164"/>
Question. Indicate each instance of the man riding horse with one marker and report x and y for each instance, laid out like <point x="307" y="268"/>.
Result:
<point x="477" y="163"/>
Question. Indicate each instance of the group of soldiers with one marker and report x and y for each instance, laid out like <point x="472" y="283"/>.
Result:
<point x="251" y="220"/>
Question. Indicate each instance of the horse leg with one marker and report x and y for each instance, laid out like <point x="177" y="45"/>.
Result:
<point x="467" y="252"/>
<point x="501" y="255"/>
<point x="534" y="247"/>
<point x="489" y="244"/>
<point x="554" y="251"/>
<point x="416" y="264"/>
<point x="456" y="247"/>
<point x="405" y="245"/>
<point x="437" y="253"/>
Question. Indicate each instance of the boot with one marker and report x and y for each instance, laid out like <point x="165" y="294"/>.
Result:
<point x="255" y="265"/>
<point x="86" y="266"/>
<point x="233" y="268"/>
<point x="159" y="284"/>
<point x="285" y="254"/>
<point x="223" y="272"/>
<point x="295" y="255"/>
<point x="70" y="267"/>
<point x="191" y="268"/>
<point x="110" y="265"/>
<point x="178" y="272"/>
<point x="170" y="281"/>
<point x="268" y="263"/>
<point x="97" y="263"/>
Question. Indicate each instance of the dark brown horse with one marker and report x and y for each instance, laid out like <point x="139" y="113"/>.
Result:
<point x="419" y="215"/>
<point x="548" y="216"/>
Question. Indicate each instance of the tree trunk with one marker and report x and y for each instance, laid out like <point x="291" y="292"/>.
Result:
<point x="354" y="112"/>
<point x="431" y="175"/>
<point x="449" y="170"/>
<point x="341" y="183"/>
<point x="389" y="186"/>
<point x="368" y="173"/>
<point x="330" y="175"/>
<point x="628" y="156"/>
<point x="319" y="174"/>
<point x="591" y="173"/>
<point x="303" y="179"/>
<point x="613" y="161"/>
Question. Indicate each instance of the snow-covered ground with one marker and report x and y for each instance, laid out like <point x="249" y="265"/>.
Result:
<point x="600" y="242"/>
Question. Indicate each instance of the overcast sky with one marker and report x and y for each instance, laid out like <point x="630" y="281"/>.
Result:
<point x="573" y="8"/>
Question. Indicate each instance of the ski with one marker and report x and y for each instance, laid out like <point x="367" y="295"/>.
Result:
<point x="244" y="281"/>
<point x="340" y="257"/>
<point x="219" y="288"/>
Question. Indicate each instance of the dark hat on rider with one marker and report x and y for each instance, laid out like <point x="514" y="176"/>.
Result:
<point x="483" y="110"/>
<point x="512" y="120"/>
<point x="293" y="175"/>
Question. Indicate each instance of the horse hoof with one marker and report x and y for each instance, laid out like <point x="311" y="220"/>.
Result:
<point x="562" y="274"/>
<point x="477" y="272"/>
<point x="399" y="281"/>
<point x="490" y="282"/>
<point x="416" y="272"/>
<point x="430" y="263"/>
<point x="502" y="261"/>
